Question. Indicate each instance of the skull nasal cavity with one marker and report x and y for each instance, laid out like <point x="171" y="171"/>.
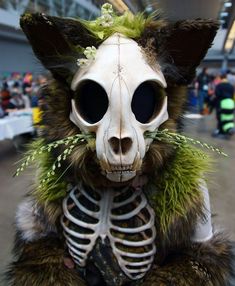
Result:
<point x="120" y="146"/>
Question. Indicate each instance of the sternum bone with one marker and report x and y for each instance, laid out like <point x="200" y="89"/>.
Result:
<point x="105" y="210"/>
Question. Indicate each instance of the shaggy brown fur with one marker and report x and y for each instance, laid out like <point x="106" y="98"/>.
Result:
<point x="204" y="264"/>
<point x="57" y="51"/>
<point x="41" y="263"/>
<point x="180" y="231"/>
<point x="179" y="48"/>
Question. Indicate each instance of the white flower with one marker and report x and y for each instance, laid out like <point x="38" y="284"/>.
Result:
<point x="106" y="20"/>
<point x="82" y="62"/>
<point x="106" y="9"/>
<point x="90" y="53"/>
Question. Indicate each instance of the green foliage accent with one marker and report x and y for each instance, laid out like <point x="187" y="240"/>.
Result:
<point x="54" y="187"/>
<point x="27" y="18"/>
<point x="132" y="26"/>
<point x="51" y="185"/>
<point x="176" y="188"/>
<point x="37" y="149"/>
<point x="180" y="140"/>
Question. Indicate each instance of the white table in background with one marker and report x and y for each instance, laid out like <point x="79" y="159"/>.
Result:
<point x="17" y="123"/>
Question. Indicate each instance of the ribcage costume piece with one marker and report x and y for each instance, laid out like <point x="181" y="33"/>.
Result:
<point x="123" y="216"/>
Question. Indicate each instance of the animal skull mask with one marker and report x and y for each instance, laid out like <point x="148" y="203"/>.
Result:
<point x="119" y="96"/>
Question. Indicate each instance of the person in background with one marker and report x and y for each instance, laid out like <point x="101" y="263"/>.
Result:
<point x="224" y="104"/>
<point x="192" y="97"/>
<point x="5" y="94"/>
<point x="27" y="81"/>
<point x="26" y="96"/>
<point x="16" y="101"/>
<point x="203" y="80"/>
<point x="231" y="77"/>
<point x="215" y="80"/>
<point x="27" y="89"/>
<point x="2" y="112"/>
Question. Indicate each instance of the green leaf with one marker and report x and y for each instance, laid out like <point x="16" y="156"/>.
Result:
<point x="100" y="35"/>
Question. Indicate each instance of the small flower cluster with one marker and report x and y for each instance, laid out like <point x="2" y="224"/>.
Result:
<point x="90" y="53"/>
<point x="179" y="140"/>
<point x="106" y="19"/>
<point x="107" y="9"/>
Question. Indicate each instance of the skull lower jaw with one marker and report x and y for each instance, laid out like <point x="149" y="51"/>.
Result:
<point x="120" y="176"/>
<point x="118" y="173"/>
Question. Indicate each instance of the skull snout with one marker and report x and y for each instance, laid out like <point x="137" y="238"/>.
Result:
<point x="122" y="157"/>
<point x="120" y="146"/>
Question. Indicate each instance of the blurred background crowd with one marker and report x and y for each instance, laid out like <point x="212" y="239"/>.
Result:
<point x="214" y="92"/>
<point x="202" y="91"/>
<point x="19" y="91"/>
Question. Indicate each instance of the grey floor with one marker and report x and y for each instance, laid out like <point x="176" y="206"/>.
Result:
<point x="222" y="180"/>
<point x="222" y="185"/>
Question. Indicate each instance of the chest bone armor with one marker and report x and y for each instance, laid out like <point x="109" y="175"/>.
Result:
<point x="124" y="217"/>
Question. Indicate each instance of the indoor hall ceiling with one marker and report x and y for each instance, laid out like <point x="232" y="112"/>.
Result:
<point x="174" y="10"/>
<point x="186" y="9"/>
<point x="230" y="33"/>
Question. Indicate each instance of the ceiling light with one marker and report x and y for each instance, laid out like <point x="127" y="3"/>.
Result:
<point x="228" y="4"/>
<point x="230" y="39"/>
<point x="149" y="9"/>
<point x="224" y="14"/>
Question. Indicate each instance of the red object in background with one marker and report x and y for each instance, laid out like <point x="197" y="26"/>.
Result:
<point x="28" y="78"/>
<point x="5" y="95"/>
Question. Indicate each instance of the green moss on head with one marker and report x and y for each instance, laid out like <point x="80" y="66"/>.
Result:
<point x="27" y="18"/>
<point x="131" y="26"/>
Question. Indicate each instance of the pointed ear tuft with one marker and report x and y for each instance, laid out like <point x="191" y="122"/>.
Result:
<point x="181" y="46"/>
<point x="55" y="41"/>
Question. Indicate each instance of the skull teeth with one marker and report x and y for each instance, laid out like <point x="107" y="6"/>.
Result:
<point x="120" y="168"/>
<point x="108" y="168"/>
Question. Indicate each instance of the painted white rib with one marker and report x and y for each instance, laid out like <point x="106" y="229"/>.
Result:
<point x="143" y="249"/>
<point x="90" y="213"/>
<point x="133" y="212"/>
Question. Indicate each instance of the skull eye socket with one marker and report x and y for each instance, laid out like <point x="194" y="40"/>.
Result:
<point x="147" y="101"/>
<point x="91" y="101"/>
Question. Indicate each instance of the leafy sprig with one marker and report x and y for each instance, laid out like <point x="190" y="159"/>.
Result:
<point x="180" y="140"/>
<point x="70" y="141"/>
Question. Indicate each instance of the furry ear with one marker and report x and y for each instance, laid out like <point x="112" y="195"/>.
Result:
<point x="181" y="46"/>
<point x="56" y="41"/>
